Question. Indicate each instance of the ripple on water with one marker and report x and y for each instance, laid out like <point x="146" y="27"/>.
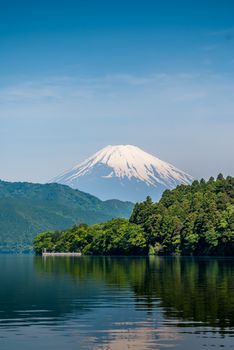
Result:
<point x="116" y="303"/>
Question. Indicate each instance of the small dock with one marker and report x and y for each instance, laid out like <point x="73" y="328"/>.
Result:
<point x="45" y="253"/>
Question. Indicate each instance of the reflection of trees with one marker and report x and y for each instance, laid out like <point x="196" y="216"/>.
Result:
<point x="200" y="290"/>
<point x="189" y="289"/>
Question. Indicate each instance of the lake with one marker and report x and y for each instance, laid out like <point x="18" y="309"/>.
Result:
<point x="116" y="303"/>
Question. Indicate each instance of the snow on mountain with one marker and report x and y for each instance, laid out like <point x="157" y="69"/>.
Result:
<point x="124" y="172"/>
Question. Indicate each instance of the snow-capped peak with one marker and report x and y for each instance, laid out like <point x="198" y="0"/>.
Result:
<point x="127" y="161"/>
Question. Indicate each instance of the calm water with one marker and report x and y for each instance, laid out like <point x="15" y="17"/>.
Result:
<point x="116" y="303"/>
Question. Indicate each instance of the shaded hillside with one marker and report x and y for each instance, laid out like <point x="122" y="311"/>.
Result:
<point x="27" y="209"/>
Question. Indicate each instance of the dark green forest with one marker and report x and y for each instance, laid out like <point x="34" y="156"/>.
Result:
<point x="189" y="220"/>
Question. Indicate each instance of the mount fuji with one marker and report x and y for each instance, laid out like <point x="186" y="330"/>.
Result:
<point x="123" y="172"/>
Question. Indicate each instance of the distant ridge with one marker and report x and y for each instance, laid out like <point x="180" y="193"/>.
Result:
<point x="27" y="209"/>
<point x="125" y="172"/>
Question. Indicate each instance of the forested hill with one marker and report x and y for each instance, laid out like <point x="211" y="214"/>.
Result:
<point x="196" y="219"/>
<point x="27" y="209"/>
<point x="189" y="220"/>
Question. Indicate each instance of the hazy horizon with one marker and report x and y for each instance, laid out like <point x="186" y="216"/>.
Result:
<point x="79" y="76"/>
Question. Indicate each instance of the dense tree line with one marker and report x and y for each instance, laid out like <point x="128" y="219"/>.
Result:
<point x="189" y="220"/>
<point x="196" y="219"/>
<point x="115" y="237"/>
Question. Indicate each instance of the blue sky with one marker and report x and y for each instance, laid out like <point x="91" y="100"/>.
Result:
<point x="78" y="75"/>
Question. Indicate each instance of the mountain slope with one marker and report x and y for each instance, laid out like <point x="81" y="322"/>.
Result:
<point x="27" y="209"/>
<point x="125" y="172"/>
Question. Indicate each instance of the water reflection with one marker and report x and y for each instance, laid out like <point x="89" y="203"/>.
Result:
<point x="116" y="303"/>
<point x="198" y="290"/>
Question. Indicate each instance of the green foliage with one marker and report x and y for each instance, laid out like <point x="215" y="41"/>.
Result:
<point x="189" y="220"/>
<point x="115" y="237"/>
<point x="196" y="219"/>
